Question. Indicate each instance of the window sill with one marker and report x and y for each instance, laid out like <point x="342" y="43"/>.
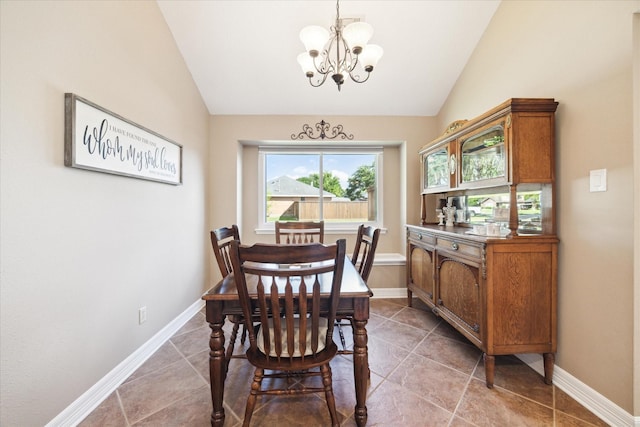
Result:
<point x="328" y="229"/>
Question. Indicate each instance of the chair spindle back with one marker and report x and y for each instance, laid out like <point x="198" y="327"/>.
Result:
<point x="283" y="284"/>
<point x="221" y="239"/>
<point x="365" y="250"/>
<point x="297" y="233"/>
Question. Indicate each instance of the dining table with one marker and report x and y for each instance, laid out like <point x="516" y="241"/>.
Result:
<point x="222" y="301"/>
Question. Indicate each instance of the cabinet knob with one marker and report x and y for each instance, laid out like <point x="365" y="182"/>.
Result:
<point x="420" y="236"/>
<point x="454" y="246"/>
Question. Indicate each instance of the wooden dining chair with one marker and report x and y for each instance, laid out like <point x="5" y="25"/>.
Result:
<point x="364" y="251"/>
<point x="363" y="256"/>
<point x="295" y="338"/>
<point x="221" y="239"/>
<point x="299" y="232"/>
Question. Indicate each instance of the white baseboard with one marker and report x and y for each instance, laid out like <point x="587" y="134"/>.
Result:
<point x="389" y="293"/>
<point x="605" y="409"/>
<point x="92" y="398"/>
<point x="389" y="259"/>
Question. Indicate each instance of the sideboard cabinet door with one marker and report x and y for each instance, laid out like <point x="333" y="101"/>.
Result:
<point x="459" y="296"/>
<point x="421" y="273"/>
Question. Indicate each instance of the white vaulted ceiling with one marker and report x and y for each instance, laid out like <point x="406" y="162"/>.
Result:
<point x="242" y="54"/>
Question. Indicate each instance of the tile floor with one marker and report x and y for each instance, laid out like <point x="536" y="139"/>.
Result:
<point x="423" y="373"/>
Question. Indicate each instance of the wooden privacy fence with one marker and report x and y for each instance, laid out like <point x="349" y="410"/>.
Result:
<point x="342" y="210"/>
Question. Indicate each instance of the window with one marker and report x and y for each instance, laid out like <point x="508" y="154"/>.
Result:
<point x="339" y="186"/>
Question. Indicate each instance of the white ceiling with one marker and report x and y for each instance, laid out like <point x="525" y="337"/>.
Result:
<point x="242" y="54"/>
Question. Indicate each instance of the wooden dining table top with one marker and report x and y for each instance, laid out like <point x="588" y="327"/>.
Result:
<point x="352" y="284"/>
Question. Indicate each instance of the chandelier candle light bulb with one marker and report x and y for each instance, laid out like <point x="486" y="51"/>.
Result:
<point x="338" y="52"/>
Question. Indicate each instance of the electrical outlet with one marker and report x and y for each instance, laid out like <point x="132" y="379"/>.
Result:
<point x="142" y="315"/>
<point x="598" y="180"/>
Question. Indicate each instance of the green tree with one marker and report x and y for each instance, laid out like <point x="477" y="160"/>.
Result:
<point x="330" y="183"/>
<point x="363" y="178"/>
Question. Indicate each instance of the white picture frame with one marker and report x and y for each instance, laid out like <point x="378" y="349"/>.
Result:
<point x="97" y="139"/>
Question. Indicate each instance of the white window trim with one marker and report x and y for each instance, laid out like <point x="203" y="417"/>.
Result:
<point x="330" y="227"/>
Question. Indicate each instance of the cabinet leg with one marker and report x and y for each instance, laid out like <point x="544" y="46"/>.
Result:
<point x="489" y="369"/>
<point x="549" y="360"/>
<point x="409" y="298"/>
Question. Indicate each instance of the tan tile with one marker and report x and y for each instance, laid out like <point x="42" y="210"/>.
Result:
<point x="431" y="381"/>
<point x="238" y="385"/>
<point x="568" y="405"/>
<point x="169" y="390"/>
<point x="419" y="304"/>
<point x="391" y="405"/>
<point x="399" y="334"/>
<point x="455" y="354"/>
<point x="150" y="393"/>
<point x="294" y="411"/>
<point x="499" y="407"/>
<point x="384" y="357"/>
<point x="197" y="321"/>
<point x="349" y="422"/>
<point x="417" y="318"/>
<point x="108" y="413"/>
<point x="343" y="383"/>
<point x="194" y="411"/>
<point x="200" y="362"/>
<point x="459" y="422"/>
<point x="193" y="342"/>
<point x="446" y="330"/>
<point x="564" y="420"/>
<point x="514" y="375"/>
<point x="375" y="321"/>
<point x="386" y="307"/>
<point x="165" y="355"/>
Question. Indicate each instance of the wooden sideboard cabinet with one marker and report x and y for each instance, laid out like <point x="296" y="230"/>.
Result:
<point x="499" y="291"/>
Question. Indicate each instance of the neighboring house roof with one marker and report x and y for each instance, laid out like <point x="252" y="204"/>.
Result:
<point x="284" y="186"/>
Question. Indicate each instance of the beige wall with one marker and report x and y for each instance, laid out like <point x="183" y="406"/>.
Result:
<point x="579" y="53"/>
<point x="82" y="251"/>
<point x="234" y="172"/>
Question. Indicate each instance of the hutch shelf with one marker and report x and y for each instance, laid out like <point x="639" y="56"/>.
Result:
<point x="498" y="290"/>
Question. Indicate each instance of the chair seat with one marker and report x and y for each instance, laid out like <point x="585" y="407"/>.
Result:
<point x="322" y="331"/>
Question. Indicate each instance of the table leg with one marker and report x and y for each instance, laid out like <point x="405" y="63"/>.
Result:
<point x="360" y="359"/>
<point x="217" y="360"/>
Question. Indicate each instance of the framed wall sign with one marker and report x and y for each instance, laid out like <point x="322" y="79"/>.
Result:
<point x="99" y="140"/>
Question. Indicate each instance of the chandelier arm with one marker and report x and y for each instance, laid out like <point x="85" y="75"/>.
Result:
<point x="356" y="77"/>
<point x="326" y="66"/>
<point x="352" y="62"/>
<point x="339" y="65"/>
<point x="319" y="82"/>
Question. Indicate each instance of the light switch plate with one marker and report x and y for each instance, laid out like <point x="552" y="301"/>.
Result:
<point x="598" y="180"/>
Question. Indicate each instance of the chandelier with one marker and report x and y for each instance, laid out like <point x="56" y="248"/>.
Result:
<point x="338" y="53"/>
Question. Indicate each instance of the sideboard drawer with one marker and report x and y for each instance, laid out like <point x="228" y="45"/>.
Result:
<point x="426" y="238"/>
<point x="450" y="245"/>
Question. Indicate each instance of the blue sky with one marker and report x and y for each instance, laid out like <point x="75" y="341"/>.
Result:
<point x="299" y="165"/>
